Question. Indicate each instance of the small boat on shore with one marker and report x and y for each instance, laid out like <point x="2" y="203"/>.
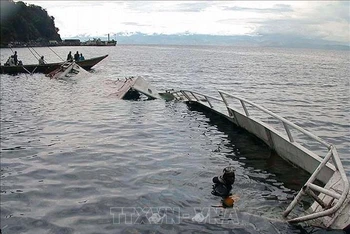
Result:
<point x="49" y="67"/>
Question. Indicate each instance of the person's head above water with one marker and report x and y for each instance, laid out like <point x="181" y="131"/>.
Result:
<point x="223" y="184"/>
<point x="229" y="175"/>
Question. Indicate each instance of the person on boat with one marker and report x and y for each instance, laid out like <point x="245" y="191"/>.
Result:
<point x="10" y="61"/>
<point x="41" y="60"/>
<point x="81" y="58"/>
<point x="70" y="57"/>
<point x="15" y="58"/>
<point x="223" y="184"/>
<point x="76" y="56"/>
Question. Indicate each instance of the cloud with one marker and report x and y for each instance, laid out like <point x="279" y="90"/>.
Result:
<point x="278" y="8"/>
<point x="326" y="20"/>
<point x="140" y="7"/>
<point x="135" y="24"/>
<point x="149" y="7"/>
<point x="322" y="20"/>
<point x="192" y="7"/>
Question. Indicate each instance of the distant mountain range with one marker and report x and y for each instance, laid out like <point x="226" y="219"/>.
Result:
<point x="203" y="39"/>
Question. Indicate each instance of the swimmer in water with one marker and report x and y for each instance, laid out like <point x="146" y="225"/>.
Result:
<point x="223" y="185"/>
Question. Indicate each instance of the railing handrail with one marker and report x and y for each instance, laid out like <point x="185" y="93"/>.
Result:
<point x="200" y="94"/>
<point x="280" y="118"/>
<point x="285" y="121"/>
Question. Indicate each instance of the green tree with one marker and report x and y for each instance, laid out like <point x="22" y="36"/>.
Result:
<point x="24" y="23"/>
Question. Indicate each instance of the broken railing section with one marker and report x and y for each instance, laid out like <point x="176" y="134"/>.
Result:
<point x="330" y="200"/>
<point x="332" y="205"/>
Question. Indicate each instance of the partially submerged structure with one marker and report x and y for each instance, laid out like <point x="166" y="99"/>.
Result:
<point x="133" y="87"/>
<point x="331" y="206"/>
<point x="67" y="70"/>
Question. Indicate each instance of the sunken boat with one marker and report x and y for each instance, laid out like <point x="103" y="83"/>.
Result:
<point x="328" y="186"/>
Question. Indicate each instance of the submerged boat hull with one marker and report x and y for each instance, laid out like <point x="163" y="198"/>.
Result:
<point x="47" y="68"/>
<point x="331" y="206"/>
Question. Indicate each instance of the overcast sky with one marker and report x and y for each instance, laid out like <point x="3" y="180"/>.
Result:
<point x="328" y="20"/>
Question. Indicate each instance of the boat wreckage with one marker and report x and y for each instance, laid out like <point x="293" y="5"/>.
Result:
<point x="133" y="87"/>
<point x="67" y="70"/>
<point x="331" y="206"/>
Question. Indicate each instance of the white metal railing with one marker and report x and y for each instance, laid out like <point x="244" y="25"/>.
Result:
<point x="309" y="187"/>
<point x="197" y="97"/>
<point x="286" y="123"/>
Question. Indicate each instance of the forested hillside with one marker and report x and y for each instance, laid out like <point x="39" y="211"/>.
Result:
<point x="24" y="23"/>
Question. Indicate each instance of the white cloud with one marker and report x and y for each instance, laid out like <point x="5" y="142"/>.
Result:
<point x="319" y="20"/>
<point x="324" y="20"/>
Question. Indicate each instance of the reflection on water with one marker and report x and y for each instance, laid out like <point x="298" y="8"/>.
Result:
<point x="71" y="153"/>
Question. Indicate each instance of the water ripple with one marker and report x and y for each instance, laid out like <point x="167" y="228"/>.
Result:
<point x="71" y="152"/>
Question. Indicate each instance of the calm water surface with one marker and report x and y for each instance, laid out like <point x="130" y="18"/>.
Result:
<point x="71" y="153"/>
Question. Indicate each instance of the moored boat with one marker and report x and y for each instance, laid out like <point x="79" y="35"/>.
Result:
<point x="49" y="67"/>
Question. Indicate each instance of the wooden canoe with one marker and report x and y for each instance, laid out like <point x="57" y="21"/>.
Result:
<point x="49" y="67"/>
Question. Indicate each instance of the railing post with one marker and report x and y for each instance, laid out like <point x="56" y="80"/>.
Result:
<point x="315" y="197"/>
<point x="288" y="132"/>
<point x="294" y="203"/>
<point x="226" y="104"/>
<point x="245" y="108"/>
<point x="177" y="95"/>
<point x="223" y="99"/>
<point x="195" y="96"/>
<point x="185" y="94"/>
<point x="206" y="98"/>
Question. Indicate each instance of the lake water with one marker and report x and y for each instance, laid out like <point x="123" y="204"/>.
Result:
<point x="74" y="159"/>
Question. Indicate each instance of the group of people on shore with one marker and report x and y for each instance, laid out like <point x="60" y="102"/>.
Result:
<point x="77" y="57"/>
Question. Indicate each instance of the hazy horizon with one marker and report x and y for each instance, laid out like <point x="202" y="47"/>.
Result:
<point x="219" y="40"/>
<point x="266" y="22"/>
